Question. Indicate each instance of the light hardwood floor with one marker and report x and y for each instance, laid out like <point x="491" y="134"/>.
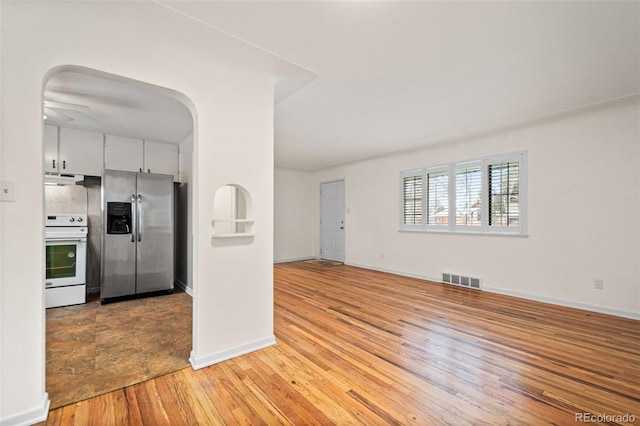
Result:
<point x="364" y="347"/>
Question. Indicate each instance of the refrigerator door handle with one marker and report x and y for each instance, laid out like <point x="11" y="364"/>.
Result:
<point x="133" y="222"/>
<point x="139" y="218"/>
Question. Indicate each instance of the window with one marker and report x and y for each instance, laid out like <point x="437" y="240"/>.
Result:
<point x="504" y="194"/>
<point x="468" y="196"/>
<point x="438" y="199"/>
<point x="484" y="196"/>
<point x="412" y="199"/>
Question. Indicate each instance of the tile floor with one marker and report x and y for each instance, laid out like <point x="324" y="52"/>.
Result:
<point x="94" y="348"/>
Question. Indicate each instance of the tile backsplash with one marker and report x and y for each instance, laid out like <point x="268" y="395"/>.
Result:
<point x="65" y="199"/>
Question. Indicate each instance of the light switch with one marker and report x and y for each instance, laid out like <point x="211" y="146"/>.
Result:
<point x="7" y="190"/>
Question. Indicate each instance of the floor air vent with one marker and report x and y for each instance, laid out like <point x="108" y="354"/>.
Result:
<point x="461" y="280"/>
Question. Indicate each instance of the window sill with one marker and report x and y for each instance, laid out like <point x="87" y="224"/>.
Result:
<point x="467" y="233"/>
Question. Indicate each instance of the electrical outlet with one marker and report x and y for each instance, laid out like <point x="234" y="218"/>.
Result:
<point x="7" y="191"/>
<point x="598" y="284"/>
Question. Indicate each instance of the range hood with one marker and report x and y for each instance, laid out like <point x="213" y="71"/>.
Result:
<point x="60" y="179"/>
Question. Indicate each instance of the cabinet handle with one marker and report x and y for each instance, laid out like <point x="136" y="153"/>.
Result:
<point x="148" y="170"/>
<point x="140" y="169"/>
<point x="64" y="164"/>
<point x="54" y="164"/>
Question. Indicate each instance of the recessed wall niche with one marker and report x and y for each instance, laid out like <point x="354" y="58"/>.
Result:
<point x="232" y="212"/>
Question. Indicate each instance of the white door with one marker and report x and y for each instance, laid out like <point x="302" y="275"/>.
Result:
<point x="332" y="221"/>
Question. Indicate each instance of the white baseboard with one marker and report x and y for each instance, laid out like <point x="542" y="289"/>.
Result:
<point x="394" y="272"/>
<point x="207" y="360"/>
<point x="295" y="259"/>
<point x="550" y="300"/>
<point x="185" y="287"/>
<point x="29" y="417"/>
<point x="566" y="303"/>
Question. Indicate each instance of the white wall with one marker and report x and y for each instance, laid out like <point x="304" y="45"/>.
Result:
<point x="236" y="273"/>
<point x="228" y="86"/>
<point x="294" y="215"/>
<point x="585" y="164"/>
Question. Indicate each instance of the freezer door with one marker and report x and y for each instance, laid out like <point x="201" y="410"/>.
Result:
<point x="118" y="255"/>
<point x="155" y="232"/>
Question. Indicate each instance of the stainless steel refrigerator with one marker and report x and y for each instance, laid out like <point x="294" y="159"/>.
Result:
<point x="137" y="234"/>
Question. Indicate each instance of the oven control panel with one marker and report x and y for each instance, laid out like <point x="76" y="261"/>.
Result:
<point x="66" y="220"/>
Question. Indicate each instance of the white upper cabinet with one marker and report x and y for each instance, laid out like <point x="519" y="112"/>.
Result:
<point x="123" y="153"/>
<point x="161" y="158"/>
<point x="50" y="148"/>
<point x="80" y="152"/>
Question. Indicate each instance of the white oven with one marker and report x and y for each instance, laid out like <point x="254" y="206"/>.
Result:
<point x="65" y="259"/>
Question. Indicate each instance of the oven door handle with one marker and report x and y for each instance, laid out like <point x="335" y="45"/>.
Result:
<point x="61" y="240"/>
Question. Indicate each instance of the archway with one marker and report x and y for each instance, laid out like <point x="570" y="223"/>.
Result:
<point x="124" y="117"/>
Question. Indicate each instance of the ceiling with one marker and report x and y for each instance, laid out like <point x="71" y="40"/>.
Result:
<point x="87" y="101"/>
<point x="400" y="75"/>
